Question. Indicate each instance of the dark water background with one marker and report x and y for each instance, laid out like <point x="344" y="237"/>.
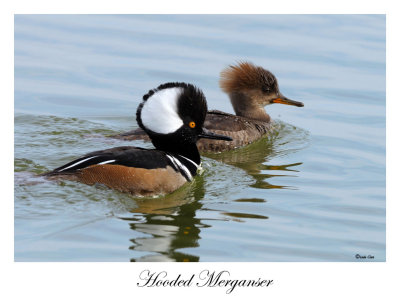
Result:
<point x="313" y="191"/>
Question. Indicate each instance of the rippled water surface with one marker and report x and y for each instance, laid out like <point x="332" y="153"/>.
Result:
<point x="314" y="190"/>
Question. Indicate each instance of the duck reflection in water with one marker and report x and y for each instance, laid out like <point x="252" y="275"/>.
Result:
<point x="284" y="140"/>
<point x="170" y="223"/>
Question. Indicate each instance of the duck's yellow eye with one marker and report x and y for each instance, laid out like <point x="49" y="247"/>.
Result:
<point x="192" y="124"/>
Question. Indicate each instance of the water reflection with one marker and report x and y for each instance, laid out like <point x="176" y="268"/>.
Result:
<point x="169" y="224"/>
<point x="285" y="139"/>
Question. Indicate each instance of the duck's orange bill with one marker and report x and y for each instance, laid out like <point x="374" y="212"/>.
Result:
<point x="288" y="101"/>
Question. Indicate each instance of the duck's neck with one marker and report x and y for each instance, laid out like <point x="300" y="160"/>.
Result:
<point x="246" y="107"/>
<point x="188" y="156"/>
<point x="169" y="145"/>
<point x="191" y="152"/>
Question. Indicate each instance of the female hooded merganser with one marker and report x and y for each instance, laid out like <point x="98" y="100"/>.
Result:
<point x="249" y="88"/>
<point x="173" y="116"/>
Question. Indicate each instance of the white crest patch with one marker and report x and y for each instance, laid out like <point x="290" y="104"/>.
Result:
<point x="160" y="111"/>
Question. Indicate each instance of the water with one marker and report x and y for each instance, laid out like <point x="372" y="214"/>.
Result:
<point x="313" y="191"/>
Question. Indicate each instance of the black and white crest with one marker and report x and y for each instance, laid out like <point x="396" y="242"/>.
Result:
<point x="171" y="106"/>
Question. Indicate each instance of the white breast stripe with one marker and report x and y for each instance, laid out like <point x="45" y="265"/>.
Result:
<point x="79" y="162"/>
<point x="106" y="162"/>
<point x="196" y="165"/>
<point x="178" y="164"/>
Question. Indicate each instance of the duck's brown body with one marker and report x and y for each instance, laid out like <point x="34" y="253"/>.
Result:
<point x="242" y="130"/>
<point x="136" y="171"/>
<point x="136" y="181"/>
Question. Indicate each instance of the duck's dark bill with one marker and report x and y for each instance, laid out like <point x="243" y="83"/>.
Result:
<point x="210" y="135"/>
<point x="287" y="101"/>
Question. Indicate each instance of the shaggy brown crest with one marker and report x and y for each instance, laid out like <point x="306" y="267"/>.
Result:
<point x="246" y="75"/>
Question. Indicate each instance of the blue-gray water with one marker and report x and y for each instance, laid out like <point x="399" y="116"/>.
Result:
<point x="313" y="191"/>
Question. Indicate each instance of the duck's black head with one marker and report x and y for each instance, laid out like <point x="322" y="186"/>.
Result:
<point x="173" y="115"/>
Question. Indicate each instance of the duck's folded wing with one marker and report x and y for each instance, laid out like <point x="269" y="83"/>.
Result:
<point x="126" y="156"/>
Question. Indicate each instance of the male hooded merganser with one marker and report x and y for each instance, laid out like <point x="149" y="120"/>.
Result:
<point x="249" y="88"/>
<point x="173" y="116"/>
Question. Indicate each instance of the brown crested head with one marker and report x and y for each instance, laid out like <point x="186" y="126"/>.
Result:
<point x="247" y="76"/>
<point x="251" y="87"/>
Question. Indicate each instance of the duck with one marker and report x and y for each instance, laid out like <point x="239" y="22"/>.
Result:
<point x="172" y="115"/>
<point x="250" y="88"/>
